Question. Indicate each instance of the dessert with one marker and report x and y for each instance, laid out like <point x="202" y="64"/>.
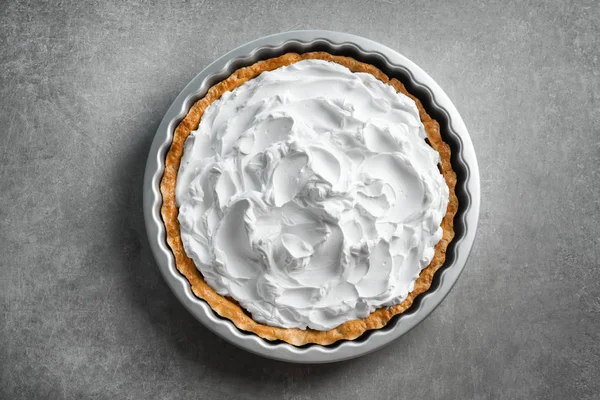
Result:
<point x="304" y="204"/>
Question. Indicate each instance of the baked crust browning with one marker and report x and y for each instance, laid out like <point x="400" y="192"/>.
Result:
<point x="229" y="308"/>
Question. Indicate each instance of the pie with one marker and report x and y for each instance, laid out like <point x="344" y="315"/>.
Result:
<point x="313" y="218"/>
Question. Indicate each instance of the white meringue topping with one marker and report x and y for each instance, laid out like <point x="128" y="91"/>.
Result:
<point x="310" y="196"/>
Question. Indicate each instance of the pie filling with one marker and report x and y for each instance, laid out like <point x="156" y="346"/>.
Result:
<point x="309" y="195"/>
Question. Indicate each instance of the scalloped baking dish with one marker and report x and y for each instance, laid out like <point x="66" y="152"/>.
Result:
<point x="417" y="82"/>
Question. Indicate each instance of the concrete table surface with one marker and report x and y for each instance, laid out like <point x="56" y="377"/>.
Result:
<point x="84" y="313"/>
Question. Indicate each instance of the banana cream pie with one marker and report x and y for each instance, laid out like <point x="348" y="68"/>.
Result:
<point x="308" y="198"/>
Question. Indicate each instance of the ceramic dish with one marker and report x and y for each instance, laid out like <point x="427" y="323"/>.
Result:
<point x="417" y="82"/>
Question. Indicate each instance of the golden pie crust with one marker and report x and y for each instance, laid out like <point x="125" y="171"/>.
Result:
<point x="229" y="308"/>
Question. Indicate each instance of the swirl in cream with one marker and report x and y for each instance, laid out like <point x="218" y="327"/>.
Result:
<point x="310" y="196"/>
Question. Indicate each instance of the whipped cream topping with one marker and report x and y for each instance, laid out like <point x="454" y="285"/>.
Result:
<point x="310" y="196"/>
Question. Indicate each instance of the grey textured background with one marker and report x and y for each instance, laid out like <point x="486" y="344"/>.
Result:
<point x="84" y="313"/>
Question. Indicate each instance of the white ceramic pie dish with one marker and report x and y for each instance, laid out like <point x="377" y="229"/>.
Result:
<point x="437" y="104"/>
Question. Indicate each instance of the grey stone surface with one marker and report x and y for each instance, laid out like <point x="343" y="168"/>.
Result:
<point x="84" y="313"/>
